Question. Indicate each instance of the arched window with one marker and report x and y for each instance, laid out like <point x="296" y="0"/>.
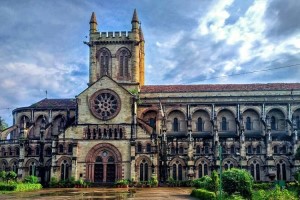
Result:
<point x="275" y="148"/>
<point x="64" y="170"/>
<point x="144" y="171"/>
<point x="181" y="150"/>
<point x="232" y="149"/>
<point x="61" y="148"/>
<point x="123" y="63"/>
<point x="32" y="169"/>
<point x="173" y="151"/>
<point x="255" y="170"/>
<point x="17" y="150"/>
<point x="199" y="124"/>
<point x="177" y="172"/>
<point x="37" y="150"/>
<point x="298" y="122"/>
<point x="175" y="125"/>
<point x="202" y="169"/>
<point x="29" y="151"/>
<point x="15" y="167"/>
<point x="70" y="148"/>
<point x="139" y="148"/>
<point x="224" y="124"/>
<point x="273" y="123"/>
<point x="3" y="152"/>
<point x="198" y="149"/>
<point x="206" y="149"/>
<point x="249" y="149"/>
<point x="228" y="165"/>
<point x="283" y="149"/>
<point x="281" y="170"/>
<point x="148" y="147"/>
<point x="10" y="151"/>
<point x="48" y="151"/>
<point x="152" y="123"/>
<point x="248" y="124"/>
<point x="224" y="151"/>
<point x="3" y="166"/>
<point x="104" y="60"/>
<point x="258" y="149"/>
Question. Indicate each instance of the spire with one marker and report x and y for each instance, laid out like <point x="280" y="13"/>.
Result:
<point x="135" y="17"/>
<point x="93" y="23"/>
<point x="141" y="34"/>
<point x="93" y="18"/>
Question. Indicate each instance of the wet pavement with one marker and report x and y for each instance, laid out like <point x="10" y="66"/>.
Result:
<point x="103" y="194"/>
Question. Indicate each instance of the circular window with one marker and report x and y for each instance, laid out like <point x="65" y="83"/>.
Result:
<point x="105" y="104"/>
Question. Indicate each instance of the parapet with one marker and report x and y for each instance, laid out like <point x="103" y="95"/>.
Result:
<point x="116" y="35"/>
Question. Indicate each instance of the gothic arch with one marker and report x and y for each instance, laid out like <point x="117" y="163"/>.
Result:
<point x="177" y="158"/>
<point x="273" y="108"/>
<point x="68" y="159"/>
<point x="206" y="110"/>
<point x="31" y="160"/>
<point x="108" y="65"/>
<point x="91" y="156"/>
<point x="255" y="109"/>
<point x="180" y="110"/>
<point x="202" y="159"/>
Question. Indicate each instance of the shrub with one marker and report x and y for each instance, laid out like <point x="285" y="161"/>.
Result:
<point x="3" y="175"/>
<point x="237" y="180"/>
<point x="215" y="181"/>
<point x="11" y="175"/>
<point x="19" y="187"/>
<point x="153" y="182"/>
<point x="53" y="182"/>
<point x="262" y="186"/>
<point x="204" y="182"/>
<point x="31" y="179"/>
<point x="277" y="193"/>
<point x="122" y="182"/>
<point x="203" y="194"/>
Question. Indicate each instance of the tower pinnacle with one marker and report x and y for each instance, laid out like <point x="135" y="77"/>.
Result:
<point x="135" y="17"/>
<point x="135" y="22"/>
<point x="93" y="23"/>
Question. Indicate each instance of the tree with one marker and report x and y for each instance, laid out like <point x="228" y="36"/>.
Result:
<point x="237" y="180"/>
<point x="3" y="124"/>
<point x="215" y="181"/>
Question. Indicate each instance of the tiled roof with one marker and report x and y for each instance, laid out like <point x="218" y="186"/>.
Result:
<point x="219" y="87"/>
<point x="55" y="103"/>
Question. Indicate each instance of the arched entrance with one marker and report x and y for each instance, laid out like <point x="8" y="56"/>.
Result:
<point x="104" y="164"/>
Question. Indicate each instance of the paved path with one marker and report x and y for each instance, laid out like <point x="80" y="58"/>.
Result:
<point x="103" y="194"/>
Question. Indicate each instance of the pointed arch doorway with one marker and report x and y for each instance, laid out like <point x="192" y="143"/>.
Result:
<point x="104" y="164"/>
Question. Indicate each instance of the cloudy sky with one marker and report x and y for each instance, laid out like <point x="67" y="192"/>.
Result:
<point x="187" y="41"/>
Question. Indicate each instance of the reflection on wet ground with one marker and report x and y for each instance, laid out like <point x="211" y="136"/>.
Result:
<point x="103" y="194"/>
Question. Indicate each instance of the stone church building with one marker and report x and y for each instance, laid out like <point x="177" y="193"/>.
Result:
<point x="119" y="128"/>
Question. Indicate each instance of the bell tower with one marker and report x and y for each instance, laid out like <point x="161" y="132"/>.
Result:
<point x="119" y="54"/>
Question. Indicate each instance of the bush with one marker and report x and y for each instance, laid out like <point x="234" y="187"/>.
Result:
<point x="215" y="181"/>
<point x="277" y="193"/>
<point x="31" y="179"/>
<point x="153" y="182"/>
<point x="11" y="175"/>
<point x="19" y="187"/>
<point x="204" y="182"/>
<point x="237" y="180"/>
<point x="3" y="175"/>
<point x="263" y="186"/>
<point x="53" y="182"/>
<point x="203" y="194"/>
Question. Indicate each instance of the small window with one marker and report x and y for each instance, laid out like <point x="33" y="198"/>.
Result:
<point x="198" y="149"/>
<point x="70" y="148"/>
<point x="232" y="149"/>
<point x="199" y="124"/>
<point x="37" y="150"/>
<point x="29" y="151"/>
<point x="181" y="150"/>
<point x="48" y="151"/>
<point x="139" y="148"/>
<point x="148" y="147"/>
<point x="60" y="148"/>
<point x="249" y="149"/>
<point x="173" y="151"/>
<point x="258" y="150"/>
<point x="175" y="125"/>
<point x="248" y="124"/>
<point x="273" y="123"/>
<point x="224" y="124"/>
<point x="275" y="149"/>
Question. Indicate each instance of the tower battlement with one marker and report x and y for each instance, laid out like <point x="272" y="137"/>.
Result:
<point x="115" y="35"/>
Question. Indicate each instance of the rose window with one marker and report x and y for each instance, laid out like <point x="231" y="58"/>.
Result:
<point x="105" y="104"/>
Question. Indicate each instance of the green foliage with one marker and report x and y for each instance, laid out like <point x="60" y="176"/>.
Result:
<point x="11" y="175"/>
<point x="153" y="182"/>
<point x="276" y="194"/>
<point x="204" y="182"/>
<point x="297" y="155"/>
<point x="122" y="182"/>
<point x="215" y="181"/>
<point x="53" y="182"/>
<point x="237" y="180"/>
<point x="3" y="124"/>
<point x="3" y="175"/>
<point x="31" y="179"/>
<point x="19" y="187"/>
<point x="203" y="194"/>
<point x="262" y="186"/>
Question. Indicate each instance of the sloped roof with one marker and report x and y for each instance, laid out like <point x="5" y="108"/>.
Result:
<point x="55" y="103"/>
<point x="219" y="87"/>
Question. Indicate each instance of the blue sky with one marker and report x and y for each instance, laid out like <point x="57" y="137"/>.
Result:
<point x="187" y="41"/>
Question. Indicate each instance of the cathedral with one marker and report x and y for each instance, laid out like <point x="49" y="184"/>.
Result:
<point x="120" y="128"/>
